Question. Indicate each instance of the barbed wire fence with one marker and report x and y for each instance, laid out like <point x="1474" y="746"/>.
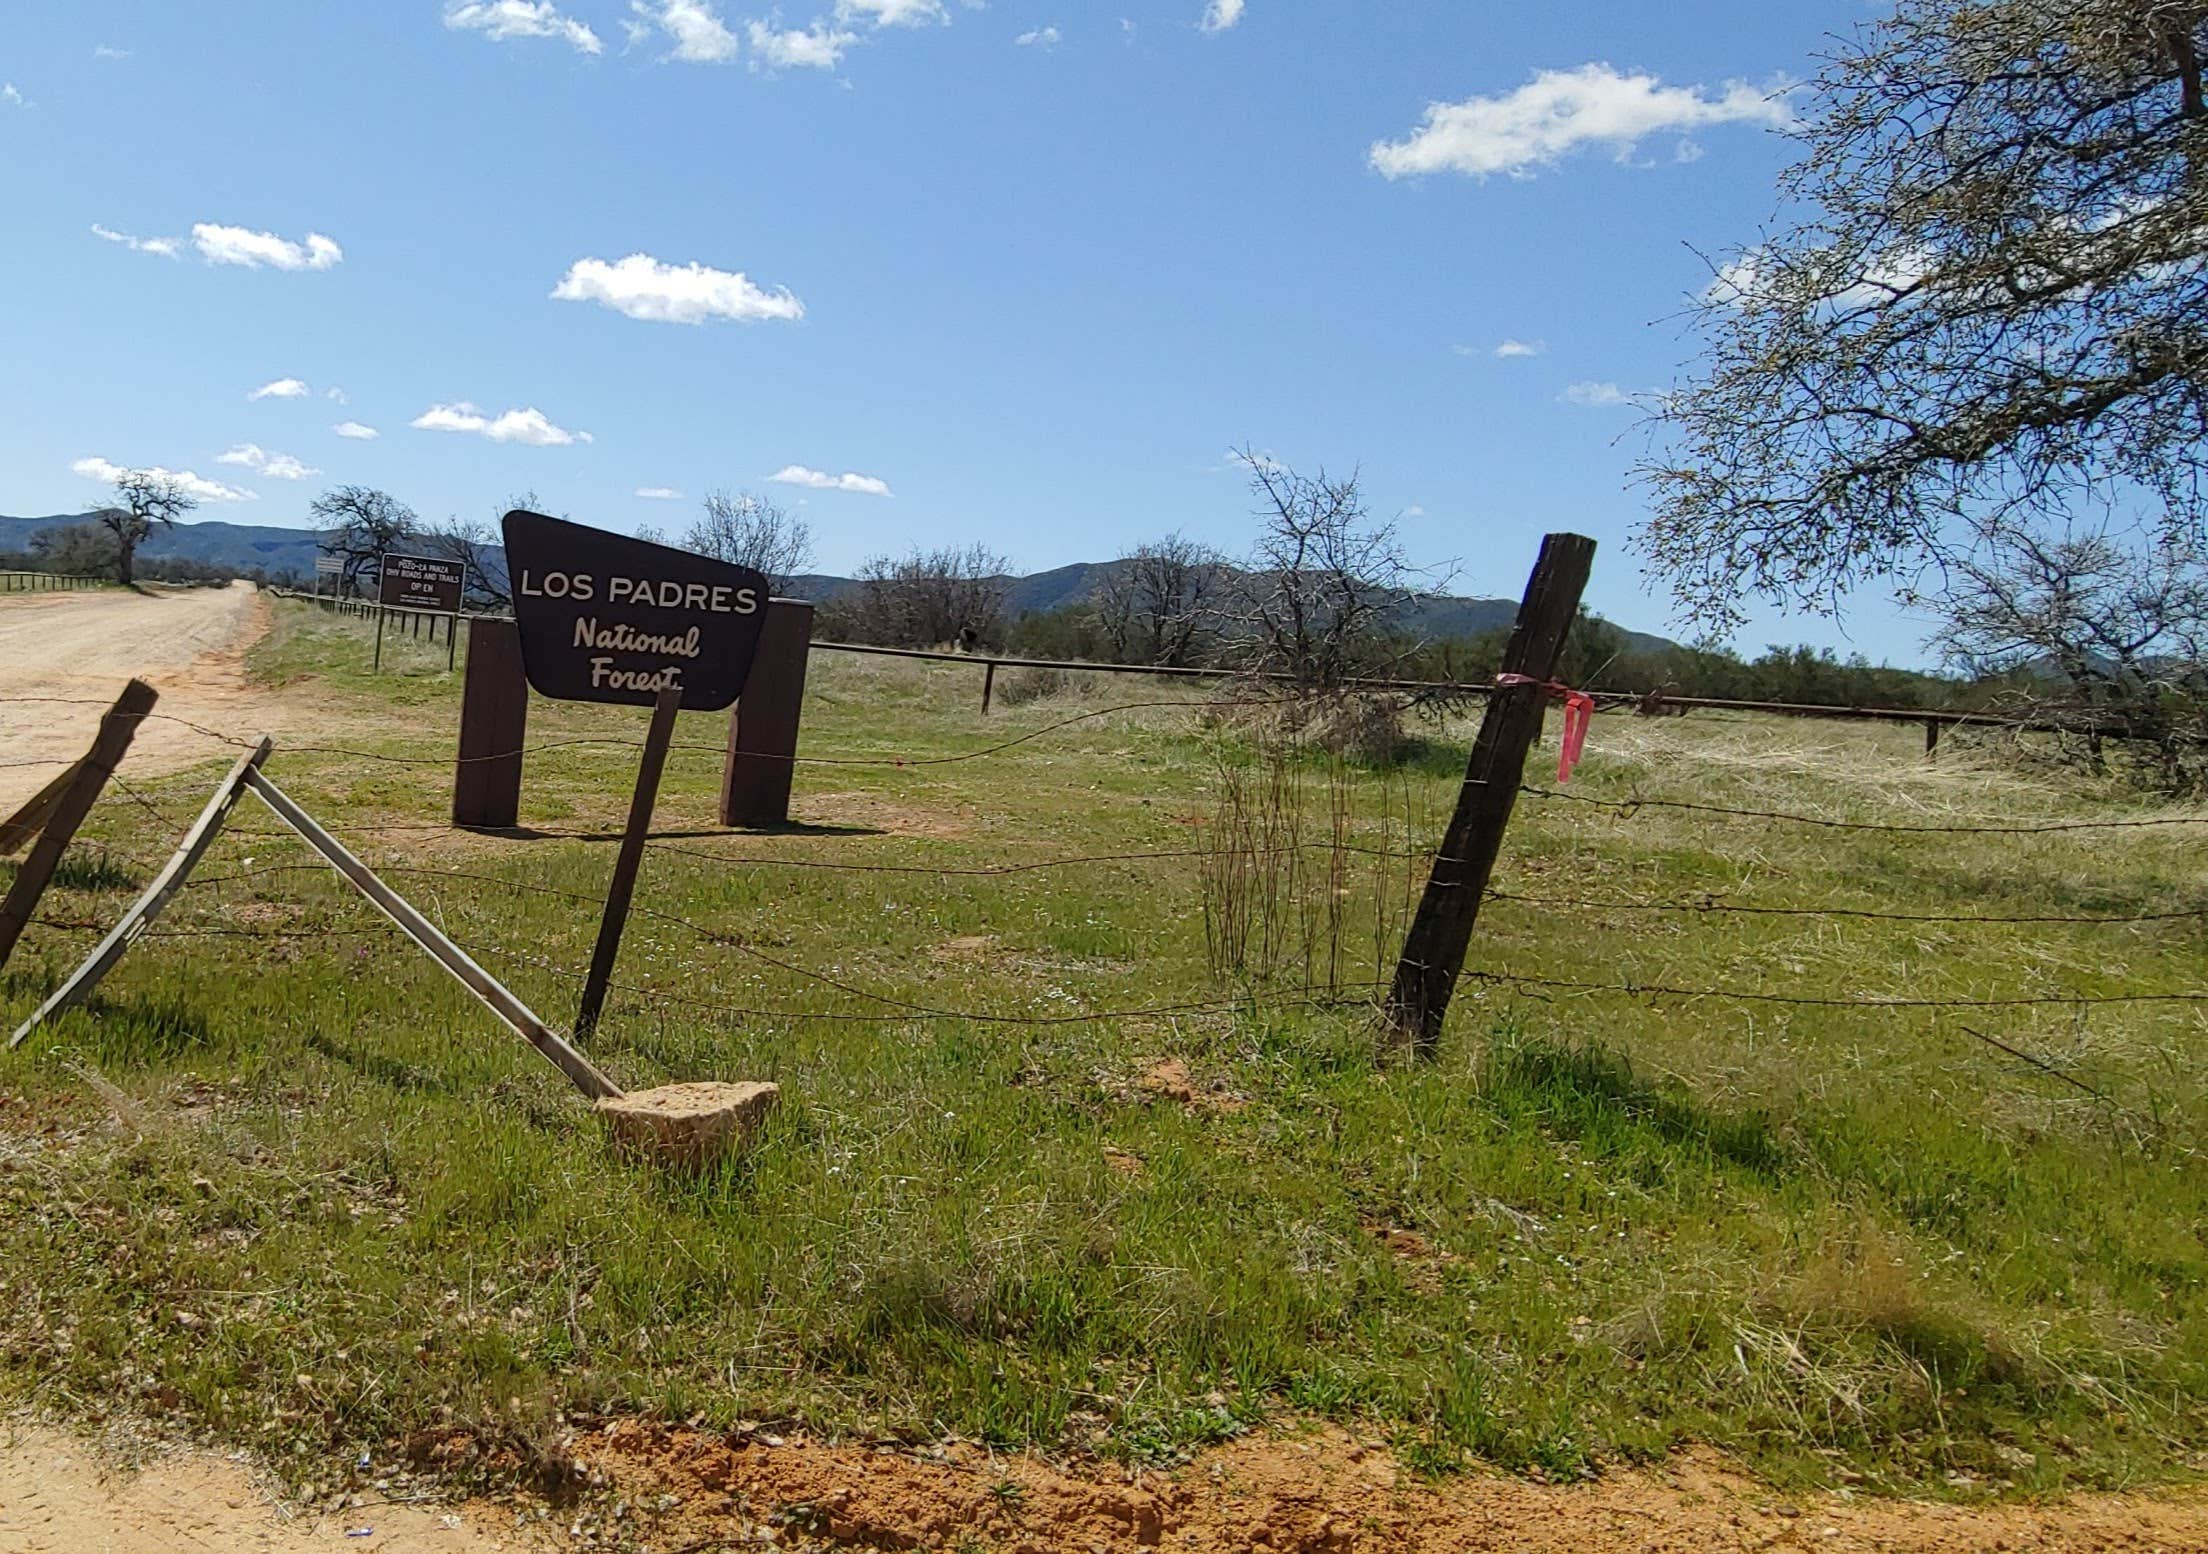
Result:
<point x="852" y="1000"/>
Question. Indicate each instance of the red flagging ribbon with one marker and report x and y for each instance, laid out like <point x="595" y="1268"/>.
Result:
<point x="1579" y="715"/>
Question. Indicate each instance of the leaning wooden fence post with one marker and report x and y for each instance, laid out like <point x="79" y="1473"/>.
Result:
<point x="153" y="899"/>
<point x="28" y="821"/>
<point x="762" y="732"/>
<point x="494" y="723"/>
<point x="988" y="686"/>
<point x="632" y="857"/>
<point x="1434" y="950"/>
<point x="579" y="1069"/>
<point x="117" y="728"/>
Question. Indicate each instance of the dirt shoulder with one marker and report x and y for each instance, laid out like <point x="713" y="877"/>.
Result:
<point x="61" y="1495"/>
<point x="77" y="649"/>
<point x="1317" y="1494"/>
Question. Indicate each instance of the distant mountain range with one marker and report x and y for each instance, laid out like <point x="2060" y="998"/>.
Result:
<point x="290" y="553"/>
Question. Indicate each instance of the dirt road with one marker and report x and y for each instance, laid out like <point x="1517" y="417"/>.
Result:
<point x="81" y="647"/>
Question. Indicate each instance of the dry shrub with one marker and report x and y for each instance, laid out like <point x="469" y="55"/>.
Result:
<point x="1352" y="725"/>
<point x="1021" y="686"/>
<point x="1365" y="729"/>
<point x="1303" y="865"/>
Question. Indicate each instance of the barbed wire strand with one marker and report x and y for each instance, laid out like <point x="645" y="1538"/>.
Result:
<point x="1629" y="807"/>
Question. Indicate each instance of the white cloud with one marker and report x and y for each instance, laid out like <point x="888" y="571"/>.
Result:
<point x="108" y="51"/>
<point x="659" y="493"/>
<point x="1414" y="511"/>
<point x="821" y="480"/>
<point x="281" y="388"/>
<point x="818" y="47"/>
<point x="1221" y="14"/>
<point x="277" y="466"/>
<point x="503" y="20"/>
<point x="242" y="246"/>
<point x="894" y="13"/>
<point x="529" y="426"/>
<point x="335" y="396"/>
<point x="701" y="38"/>
<point x="356" y="431"/>
<point x="1595" y="396"/>
<point x="10" y="94"/>
<point x="1514" y="350"/>
<point x="1040" y="38"/>
<point x="642" y="287"/>
<point x="166" y="247"/>
<point x="97" y="468"/>
<point x="1561" y="111"/>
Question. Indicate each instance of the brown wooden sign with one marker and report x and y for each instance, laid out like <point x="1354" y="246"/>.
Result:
<point x="421" y="583"/>
<point x="608" y="618"/>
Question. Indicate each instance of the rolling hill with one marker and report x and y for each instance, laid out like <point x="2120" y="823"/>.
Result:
<point x="289" y="553"/>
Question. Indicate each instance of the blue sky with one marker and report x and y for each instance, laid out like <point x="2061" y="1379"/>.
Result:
<point x="1020" y="272"/>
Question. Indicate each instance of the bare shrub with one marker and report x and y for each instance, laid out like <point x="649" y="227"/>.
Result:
<point x="927" y="599"/>
<point x="751" y="531"/>
<point x="1295" y="878"/>
<point x="1022" y="686"/>
<point x="1323" y="583"/>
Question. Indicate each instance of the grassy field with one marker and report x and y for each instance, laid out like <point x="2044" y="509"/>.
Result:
<point x="287" y="1184"/>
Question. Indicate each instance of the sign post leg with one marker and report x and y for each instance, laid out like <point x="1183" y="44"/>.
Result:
<point x="632" y="856"/>
<point x="377" y="667"/>
<point x="762" y="737"/>
<point x="494" y="723"/>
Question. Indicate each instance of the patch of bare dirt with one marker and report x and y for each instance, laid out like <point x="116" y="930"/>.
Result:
<point x="1321" y="1494"/>
<point x="1169" y="1079"/>
<point x="58" y="1495"/>
<point x="882" y="814"/>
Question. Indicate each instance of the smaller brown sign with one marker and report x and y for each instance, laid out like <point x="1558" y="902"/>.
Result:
<point x="422" y="583"/>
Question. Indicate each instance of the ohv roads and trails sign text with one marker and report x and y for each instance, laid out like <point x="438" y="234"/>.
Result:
<point x="421" y="583"/>
<point x="607" y="618"/>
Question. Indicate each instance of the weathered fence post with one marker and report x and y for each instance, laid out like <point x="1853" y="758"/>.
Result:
<point x="1434" y="950"/>
<point x="117" y="728"/>
<point x="988" y="686"/>
<point x="494" y="721"/>
<point x="762" y="731"/>
<point x="631" y="858"/>
<point x="30" y="819"/>
<point x="1931" y="738"/>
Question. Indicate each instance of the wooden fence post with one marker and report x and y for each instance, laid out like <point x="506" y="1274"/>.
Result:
<point x="30" y="819"/>
<point x="1931" y="738"/>
<point x="494" y="722"/>
<point x="623" y="888"/>
<point x="153" y="899"/>
<point x="579" y="1069"/>
<point x="762" y="732"/>
<point x="117" y="728"/>
<point x="988" y="687"/>
<point x="1434" y="950"/>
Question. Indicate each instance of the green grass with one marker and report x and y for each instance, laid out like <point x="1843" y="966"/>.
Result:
<point x="304" y="1193"/>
